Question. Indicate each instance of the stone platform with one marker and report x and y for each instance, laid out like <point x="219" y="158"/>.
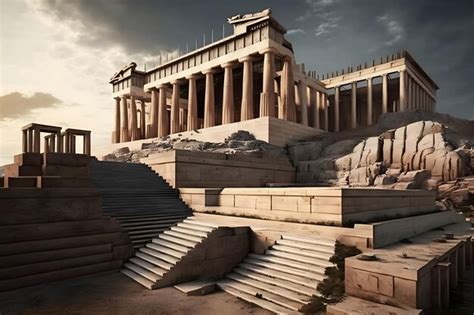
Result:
<point x="183" y="168"/>
<point x="320" y="205"/>
<point x="270" y="129"/>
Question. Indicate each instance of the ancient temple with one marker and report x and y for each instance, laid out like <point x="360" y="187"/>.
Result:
<point x="253" y="73"/>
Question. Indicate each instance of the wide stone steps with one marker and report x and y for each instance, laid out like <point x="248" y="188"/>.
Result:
<point x="154" y="261"/>
<point x="272" y="307"/>
<point x="281" y="280"/>
<point x="138" y="198"/>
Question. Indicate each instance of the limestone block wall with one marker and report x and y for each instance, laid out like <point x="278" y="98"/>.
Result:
<point x="182" y="168"/>
<point x="418" y="274"/>
<point x="216" y="256"/>
<point x="339" y="206"/>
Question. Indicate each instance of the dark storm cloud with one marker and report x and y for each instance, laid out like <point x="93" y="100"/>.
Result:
<point x="327" y="35"/>
<point x="16" y="105"/>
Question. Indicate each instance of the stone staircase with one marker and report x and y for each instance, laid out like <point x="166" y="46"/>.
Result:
<point x="285" y="278"/>
<point x="157" y="263"/>
<point x="141" y="200"/>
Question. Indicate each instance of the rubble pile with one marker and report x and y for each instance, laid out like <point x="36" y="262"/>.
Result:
<point x="241" y="142"/>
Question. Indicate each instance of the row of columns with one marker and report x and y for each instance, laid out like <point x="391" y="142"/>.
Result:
<point x="313" y="105"/>
<point x="411" y="96"/>
<point x="162" y="125"/>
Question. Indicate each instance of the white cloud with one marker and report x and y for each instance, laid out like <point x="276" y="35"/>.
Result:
<point x="316" y="7"/>
<point x="393" y="28"/>
<point x="295" y="31"/>
<point x="330" y="24"/>
<point x="40" y="53"/>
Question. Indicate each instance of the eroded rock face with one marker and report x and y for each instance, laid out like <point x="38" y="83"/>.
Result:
<point x="418" y="155"/>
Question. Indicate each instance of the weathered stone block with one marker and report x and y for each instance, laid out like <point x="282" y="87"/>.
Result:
<point x="31" y="159"/>
<point x="66" y="159"/>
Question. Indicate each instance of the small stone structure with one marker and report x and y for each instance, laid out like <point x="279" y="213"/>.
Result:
<point x="56" y="141"/>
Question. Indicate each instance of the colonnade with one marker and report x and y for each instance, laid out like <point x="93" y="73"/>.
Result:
<point x="412" y="96"/>
<point x="163" y="123"/>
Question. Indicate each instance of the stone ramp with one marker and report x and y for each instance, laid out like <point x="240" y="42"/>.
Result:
<point x="285" y="278"/>
<point x="188" y="250"/>
<point x="138" y="198"/>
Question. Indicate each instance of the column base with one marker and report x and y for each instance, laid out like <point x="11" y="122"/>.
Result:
<point x="267" y="104"/>
<point x="124" y="135"/>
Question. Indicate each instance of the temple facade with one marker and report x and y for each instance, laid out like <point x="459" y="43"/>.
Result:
<point x="253" y="73"/>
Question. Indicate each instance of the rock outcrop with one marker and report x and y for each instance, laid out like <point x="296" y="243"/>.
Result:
<point x="422" y="154"/>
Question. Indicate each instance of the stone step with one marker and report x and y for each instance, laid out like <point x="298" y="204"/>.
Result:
<point x="323" y="262"/>
<point x="153" y="260"/>
<point x="54" y="254"/>
<point x="171" y="245"/>
<point x="189" y="232"/>
<point x="274" y="289"/>
<point x="165" y="257"/>
<point x="146" y="226"/>
<point x="148" y="266"/>
<point x="290" y="263"/>
<point x="157" y="217"/>
<point x="193" y="220"/>
<point x="152" y="215"/>
<point x="310" y="283"/>
<point x="197" y="228"/>
<point x="303" y="252"/>
<point x="312" y="241"/>
<point x="145" y="236"/>
<point x="149" y="222"/>
<point x="277" y="282"/>
<point x="153" y="231"/>
<point x="272" y="307"/>
<point x="18" y="271"/>
<point x="290" y="270"/>
<point x="177" y="240"/>
<point x="142" y="272"/>
<point x="184" y="236"/>
<point x="277" y="299"/>
<point x="306" y="246"/>
<point x="166" y="250"/>
<point x="57" y="275"/>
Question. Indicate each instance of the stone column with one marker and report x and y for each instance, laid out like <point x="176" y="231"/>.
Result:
<point x="30" y="140"/>
<point x="317" y="108"/>
<point x="46" y="144"/>
<point x="134" y="121"/>
<point x="209" y="100"/>
<point x="303" y="97"/>
<point x="142" y="120"/>
<point x="154" y="113"/>
<point x="59" y="142"/>
<point x="402" y="85"/>
<point x="354" y="105"/>
<point x="336" y="108"/>
<point x="369" y="102"/>
<point x="25" y="140"/>
<point x="72" y="143"/>
<point x="444" y="284"/>
<point x="192" y="104"/>
<point x="174" y="119"/>
<point x="162" y="113"/>
<point x="87" y="144"/>
<point x="124" y="136"/>
<point x="267" y="97"/>
<point x="384" y="93"/>
<point x="246" y="107"/>
<point x="287" y="110"/>
<point x="37" y="141"/>
<point x="117" y="120"/>
<point x="326" y="111"/>
<point x="52" y="144"/>
<point x="228" y="95"/>
<point x="67" y="145"/>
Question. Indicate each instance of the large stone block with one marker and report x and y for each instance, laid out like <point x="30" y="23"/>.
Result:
<point x="66" y="159"/>
<point x="31" y="159"/>
<point x="418" y="177"/>
<point x="13" y="170"/>
<point x="22" y="182"/>
<point x="66" y="171"/>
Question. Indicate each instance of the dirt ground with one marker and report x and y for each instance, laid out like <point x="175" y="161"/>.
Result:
<point x="114" y="293"/>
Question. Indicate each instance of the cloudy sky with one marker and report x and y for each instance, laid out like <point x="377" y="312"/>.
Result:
<point x="56" y="56"/>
